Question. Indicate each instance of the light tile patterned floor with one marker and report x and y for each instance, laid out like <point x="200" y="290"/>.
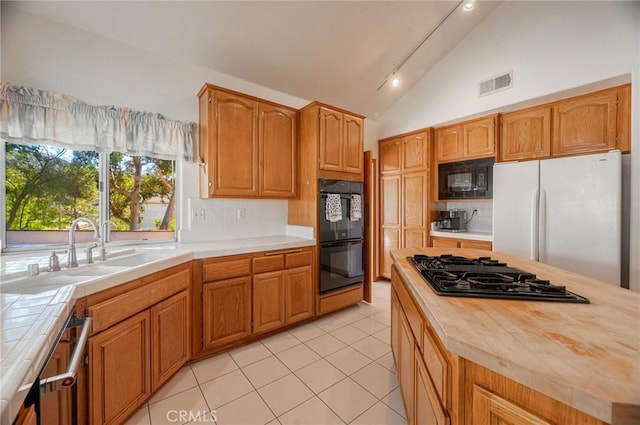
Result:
<point x="335" y="370"/>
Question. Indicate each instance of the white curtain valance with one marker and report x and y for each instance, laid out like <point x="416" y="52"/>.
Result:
<point x="33" y="116"/>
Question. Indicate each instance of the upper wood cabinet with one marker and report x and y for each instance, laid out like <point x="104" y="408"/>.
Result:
<point x="277" y="149"/>
<point x="594" y="122"/>
<point x="406" y="153"/>
<point x="390" y="155"/>
<point x="590" y="123"/>
<point x="247" y="145"/>
<point x="526" y="134"/>
<point x="341" y="141"/>
<point x="468" y="140"/>
<point x="449" y="143"/>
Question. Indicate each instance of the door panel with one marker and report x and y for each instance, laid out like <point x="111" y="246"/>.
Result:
<point x="526" y="134"/>
<point x="268" y="301"/>
<point x="415" y="152"/>
<point x="352" y="154"/>
<point x="226" y="311"/>
<point x="235" y="145"/>
<point x="330" y="140"/>
<point x="277" y="151"/>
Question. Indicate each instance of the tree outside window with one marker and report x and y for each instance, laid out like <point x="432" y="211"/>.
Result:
<point x="48" y="187"/>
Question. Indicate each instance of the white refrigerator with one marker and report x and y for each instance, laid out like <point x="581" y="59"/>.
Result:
<point x="565" y="212"/>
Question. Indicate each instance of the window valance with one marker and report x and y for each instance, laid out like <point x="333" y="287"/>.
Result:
<point x="33" y="116"/>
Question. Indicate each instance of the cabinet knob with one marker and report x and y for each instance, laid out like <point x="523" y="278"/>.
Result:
<point x="210" y="183"/>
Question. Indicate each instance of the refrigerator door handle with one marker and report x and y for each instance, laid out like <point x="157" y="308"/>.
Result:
<point x="533" y="249"/>
<point x="542" y="227"/>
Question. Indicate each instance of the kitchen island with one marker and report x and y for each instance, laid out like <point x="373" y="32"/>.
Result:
<point x="478" y="360"/>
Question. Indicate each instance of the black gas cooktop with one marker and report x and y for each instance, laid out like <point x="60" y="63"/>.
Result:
<point x="485" y="277"/>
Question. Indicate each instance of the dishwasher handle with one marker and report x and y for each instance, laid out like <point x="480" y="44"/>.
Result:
<point x="68" y="379"/>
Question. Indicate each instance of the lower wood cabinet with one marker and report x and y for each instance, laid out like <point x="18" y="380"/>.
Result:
<point x="141" y="337"/>
<point x="226" y="311"/>
<point x="428" y="408"/>
<point x="170" y="338"/>
<point x="120" y="369"/>
<point x="405" y="365"/>
<point x="252" y="294"/>
<point x="281" y="298"/>
<point x="441" y="388"/>
<point x="490" y="408"/>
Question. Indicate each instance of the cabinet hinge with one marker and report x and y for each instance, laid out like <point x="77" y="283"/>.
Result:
<point x="618" y="101"/>
<point x="201" y="296"/>
<point x="318" y="160"/>
<point x="209" y="99"/>
<point x="202" y="341"/>
<point x="616" y="139"/>
<point x="85" y="361"/>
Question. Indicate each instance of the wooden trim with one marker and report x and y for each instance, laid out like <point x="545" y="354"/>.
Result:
<point x="340" y="299"/>
<point x="116" y="309"/>
<point x="237" y="93"/>
<point x="335" y="108"/>
<point x="408" y="133"/>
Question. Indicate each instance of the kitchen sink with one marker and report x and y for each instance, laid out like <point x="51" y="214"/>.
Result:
<point x="122" y="266"/>
<point x="136" y="259"/>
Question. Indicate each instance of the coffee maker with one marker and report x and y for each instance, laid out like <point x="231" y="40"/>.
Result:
<point x="454" y="220"/>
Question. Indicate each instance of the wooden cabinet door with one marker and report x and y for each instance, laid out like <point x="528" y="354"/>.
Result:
<point x="526" y="134"/>
<point x="395" y="326"/>
<point x="330" y="140"/>
<point x="119" y="369"/>
<point x="479" y="138"/>
<point x="390" y="156"/>
<point x="449" y="144"/>
<point x="390" y="198"/>
<point x="299" y="293"/>
<point x="235" y="145"/>
<point x="277" y="147"/>
<point x="585" y="124"/>
<point x="268" y="301"/>
<point x="226" y="311"/>
<point x="27" y="416"/>
<point x="352" y="144"/>
<point x="415" y="152"/>
<point x="488" y="246"/>
<point x="444" y="243"/>
<point x="490" y="409"/>
<point x="170" y="337"/>
<point x="55" y="407"/>
<point x="428" y="406"/>
<point x="414" y="208"/>
<point x="406" y="365"/>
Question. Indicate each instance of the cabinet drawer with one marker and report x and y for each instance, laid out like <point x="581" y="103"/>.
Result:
<point x="409" y="308"/>
<point x="226" y="269"/>
<point x="268" y="263"/>
<point x="436" y="363"/>
<point x="118" y="308"/>
<point x="298" y="259"/>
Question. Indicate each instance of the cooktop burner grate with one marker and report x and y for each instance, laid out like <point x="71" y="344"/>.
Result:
<point x="485" y="277"/>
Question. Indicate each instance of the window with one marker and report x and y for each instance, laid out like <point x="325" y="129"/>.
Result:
<point x="47" y="187"/>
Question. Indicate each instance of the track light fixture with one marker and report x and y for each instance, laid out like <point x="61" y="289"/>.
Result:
<point x="395" y="81"/>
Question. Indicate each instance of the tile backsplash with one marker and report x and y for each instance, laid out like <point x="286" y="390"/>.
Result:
<point x="224" y="219"/>
<point x="481" y="222"/>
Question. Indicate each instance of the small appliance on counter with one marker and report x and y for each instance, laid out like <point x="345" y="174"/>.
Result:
<point x="454" y="220"/>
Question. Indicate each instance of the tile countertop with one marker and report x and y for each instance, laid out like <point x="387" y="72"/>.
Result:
<point x="475" y="236"/>
<point x="31" y="322"/>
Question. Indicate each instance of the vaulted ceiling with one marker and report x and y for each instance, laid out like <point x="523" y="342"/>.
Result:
<point x="337" y="52"/>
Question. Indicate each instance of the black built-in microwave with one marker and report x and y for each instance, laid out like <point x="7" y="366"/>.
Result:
<point x="471" y="179"/>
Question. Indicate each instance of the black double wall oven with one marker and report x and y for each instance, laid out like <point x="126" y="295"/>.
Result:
<point x="341" y="217"/>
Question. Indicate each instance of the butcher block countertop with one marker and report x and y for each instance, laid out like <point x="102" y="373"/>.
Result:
<point x="584" y="355"/>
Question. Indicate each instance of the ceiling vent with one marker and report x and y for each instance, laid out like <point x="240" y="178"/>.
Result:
<point x="495" y="84"/>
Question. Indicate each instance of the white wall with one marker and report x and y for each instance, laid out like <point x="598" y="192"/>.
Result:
<point x="48" y="55"/>
<point x="555" y="50"/>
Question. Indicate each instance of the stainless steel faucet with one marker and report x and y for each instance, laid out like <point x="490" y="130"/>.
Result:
<point x="73" y="261"/>
<point x="103" y="240"/>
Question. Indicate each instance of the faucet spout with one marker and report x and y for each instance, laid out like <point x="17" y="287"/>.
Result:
<point x="73" y="261"/>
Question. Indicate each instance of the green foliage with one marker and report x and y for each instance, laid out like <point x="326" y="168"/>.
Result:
<point x="47" y="187"/>
<point x="45" y="190"/>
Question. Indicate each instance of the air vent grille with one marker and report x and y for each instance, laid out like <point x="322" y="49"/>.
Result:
<point x="495" y="84"/>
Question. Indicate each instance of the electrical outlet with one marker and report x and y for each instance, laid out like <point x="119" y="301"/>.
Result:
<point x="197" y="214"/>
<point x="241" y="213"/>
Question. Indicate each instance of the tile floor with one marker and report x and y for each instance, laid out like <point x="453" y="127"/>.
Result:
<point x="335" y="370"/>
